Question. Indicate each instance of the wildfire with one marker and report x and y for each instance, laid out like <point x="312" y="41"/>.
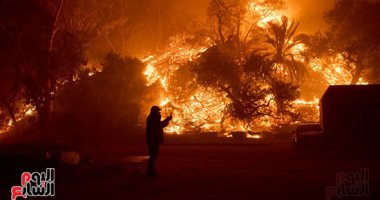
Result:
<point x="196" y="108"/>
<point x="204" y="109"/>
<point x="259" y="9"/>
<point x="27" y="111"/>
<point x="334" y="71"/>
<point x="314" y="102"/>
<point x="180" y="51"/>
<point x="255" y="136"/>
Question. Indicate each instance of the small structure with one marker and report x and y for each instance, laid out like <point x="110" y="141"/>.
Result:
<point x="351" y="114"/>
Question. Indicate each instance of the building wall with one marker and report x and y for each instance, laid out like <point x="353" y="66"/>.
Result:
<point x="351" y="115"/>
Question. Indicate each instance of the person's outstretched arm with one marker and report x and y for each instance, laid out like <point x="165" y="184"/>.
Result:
<point x="166" y="121"/>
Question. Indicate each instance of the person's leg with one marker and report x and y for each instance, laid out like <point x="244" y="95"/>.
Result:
<point x="153" y="151"/>
<point x="150" y="170"/>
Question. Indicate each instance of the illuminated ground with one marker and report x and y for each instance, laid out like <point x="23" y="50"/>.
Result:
<point x="264" y="170"/>
<point x="272" y="171"/>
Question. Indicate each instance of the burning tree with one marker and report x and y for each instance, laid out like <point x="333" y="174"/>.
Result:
<point x="40" y="53"/>
<point x="283" y="41"/>
<point x="226" y="73"/>
<point x="244" y="65"/>
<point x="252" y="87"/>
<point x="352" y="38"/>
<point x="10" y="94"/>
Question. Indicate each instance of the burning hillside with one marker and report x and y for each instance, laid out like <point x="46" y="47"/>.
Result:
<point x="200" y="108"/>
<point x="243" y="67"/>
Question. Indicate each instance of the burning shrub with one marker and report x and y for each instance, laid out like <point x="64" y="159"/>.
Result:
<point x="251" y="87"/>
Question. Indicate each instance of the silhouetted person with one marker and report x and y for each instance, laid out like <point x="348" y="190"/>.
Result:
<point x="154" y="136"/>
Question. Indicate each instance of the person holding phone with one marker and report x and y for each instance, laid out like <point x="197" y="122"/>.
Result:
<point x="155" y="136"/>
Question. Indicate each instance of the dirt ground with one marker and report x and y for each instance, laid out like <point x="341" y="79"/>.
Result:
<point x="266" y="170"/>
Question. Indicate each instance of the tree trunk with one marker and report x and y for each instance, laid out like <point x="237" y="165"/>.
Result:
<point x="122" y="7"/>
<point x="11" y="114"/>
<point x="55" y="26"/>
<point x="111" y="45"/>
<point x="220" y="31"/>
<point x="44" y="112"/>
<point x="357" y="74"/>
<point x="44" y="117"/>
<point x="10" y="110"/>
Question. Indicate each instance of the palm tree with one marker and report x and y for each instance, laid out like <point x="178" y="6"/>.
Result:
<point x="282" y="39"/>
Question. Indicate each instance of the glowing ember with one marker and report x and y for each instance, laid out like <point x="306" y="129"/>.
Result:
<point x="29" y="112"/>
<point x="254" y="136"/>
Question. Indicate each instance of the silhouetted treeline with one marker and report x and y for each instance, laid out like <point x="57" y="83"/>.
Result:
<point x="105" y="106"/>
